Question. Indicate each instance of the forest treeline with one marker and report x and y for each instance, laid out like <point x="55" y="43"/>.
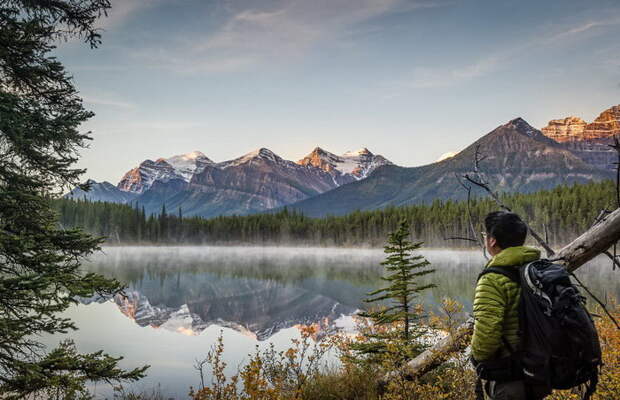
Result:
<point x="562" y="213"/>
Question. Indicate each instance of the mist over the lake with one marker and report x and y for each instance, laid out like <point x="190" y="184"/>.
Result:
<point x="179" y="299"/>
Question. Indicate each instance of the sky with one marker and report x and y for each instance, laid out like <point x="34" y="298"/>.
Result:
<point x="407" y="79"/>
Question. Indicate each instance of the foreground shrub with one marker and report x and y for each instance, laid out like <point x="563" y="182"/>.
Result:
<point x="302" y="373"/>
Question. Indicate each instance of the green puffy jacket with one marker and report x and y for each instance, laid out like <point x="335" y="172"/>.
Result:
<point x="496" y="303"/>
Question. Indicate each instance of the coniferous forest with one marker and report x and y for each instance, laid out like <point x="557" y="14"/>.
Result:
<point x="562" y="214"/>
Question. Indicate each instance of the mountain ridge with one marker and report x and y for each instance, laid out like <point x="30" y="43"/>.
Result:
<point x="518" y="157"/>
<point x="256" y="181"/>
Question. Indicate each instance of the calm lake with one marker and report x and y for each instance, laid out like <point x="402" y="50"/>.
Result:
<point x="179" y="299"/>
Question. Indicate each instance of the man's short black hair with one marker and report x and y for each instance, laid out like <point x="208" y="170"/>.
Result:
<point x="507" y="228"/>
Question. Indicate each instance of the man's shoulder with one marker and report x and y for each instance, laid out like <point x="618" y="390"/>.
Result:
<point x="496" y="280"/>
<point x="509" y="272"/>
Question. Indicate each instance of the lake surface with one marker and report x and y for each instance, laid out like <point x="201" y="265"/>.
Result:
<point x="179" y="299"/>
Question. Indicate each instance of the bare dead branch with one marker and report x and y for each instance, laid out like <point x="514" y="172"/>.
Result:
<point x="604" y="306"/>
<point x="600" y="216"/>
<point x="491" y="193"/>
<point x="461" y="238"/>
<point x="614" y="258"/>
<point x="536" y="236"/>
<point x="470" y="218"/>
<point x="478" y="158"/>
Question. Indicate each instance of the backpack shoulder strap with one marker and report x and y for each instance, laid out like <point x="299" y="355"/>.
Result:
<point x="511" y="273"/>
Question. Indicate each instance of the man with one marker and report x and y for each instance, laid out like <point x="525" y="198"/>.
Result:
<point x="496" y="303"/>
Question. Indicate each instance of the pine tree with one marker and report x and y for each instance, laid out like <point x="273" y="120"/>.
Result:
<point x="40" y="116"/>
<point x="397" y="322"/>
<point x="163" y="224"/>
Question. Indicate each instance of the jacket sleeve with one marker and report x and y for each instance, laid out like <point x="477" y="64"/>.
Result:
<point x="489" y="312"/>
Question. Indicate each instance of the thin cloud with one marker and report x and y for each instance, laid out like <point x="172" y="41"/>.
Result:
<point x="426" y="77"/>
<point x="298" y="24"/>
<point x="582" y="27"/>
<point x="251" y="36"/>
<point x="440" y="76"/>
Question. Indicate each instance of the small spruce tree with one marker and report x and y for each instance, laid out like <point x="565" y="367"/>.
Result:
<point x="396" y="324"/>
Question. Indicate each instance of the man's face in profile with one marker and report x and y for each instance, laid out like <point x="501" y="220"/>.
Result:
<point x="491" y="244"/>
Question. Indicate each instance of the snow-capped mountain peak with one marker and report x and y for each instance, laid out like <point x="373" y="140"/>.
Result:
<point x="258" y="154"/>
<point x="141" y="178"/>
<point x="352" y="165"/>
<point x="180" y="167"/>
<point x="189" y="163"/>
<point x="179" y="171"/>
<point x="263" y="153"/>
<point x="194" y="155"/>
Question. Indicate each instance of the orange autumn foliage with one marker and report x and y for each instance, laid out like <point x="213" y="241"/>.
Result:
<point x="299" y="372"/>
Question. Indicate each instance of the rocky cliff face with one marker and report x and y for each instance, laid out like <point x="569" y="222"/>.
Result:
<point x="565" y="130"/>
<point x="605" y="125"/>
<point x="588" y="141"/>
<point x="349" y="167"/>
<point x="574" y="129"/>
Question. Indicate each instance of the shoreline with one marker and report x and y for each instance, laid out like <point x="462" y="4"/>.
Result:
<point x="288" y="246"/>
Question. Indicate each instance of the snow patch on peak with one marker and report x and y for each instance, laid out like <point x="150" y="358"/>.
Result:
<point x="361" y="163"/>
<point x="262" y="153"/>
<point x="447" y="155"/>
<point x="355" y="153"/>
<point x="194" y="155"/>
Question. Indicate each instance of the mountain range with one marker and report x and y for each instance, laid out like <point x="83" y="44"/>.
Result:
<point x="255" y="182"/>
<point x="516" y="157"/>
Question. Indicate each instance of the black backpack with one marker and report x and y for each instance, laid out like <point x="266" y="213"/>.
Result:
<point x="559" y="346"/>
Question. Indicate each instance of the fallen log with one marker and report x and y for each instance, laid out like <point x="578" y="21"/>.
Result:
<point x="590" y="244"/>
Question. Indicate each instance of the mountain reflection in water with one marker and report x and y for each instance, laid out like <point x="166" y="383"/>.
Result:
<point x="258" y="291"/>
